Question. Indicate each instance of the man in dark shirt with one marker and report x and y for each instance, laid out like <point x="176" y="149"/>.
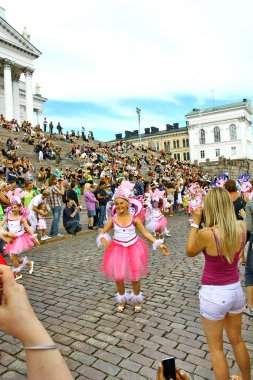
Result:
<point x="102" y="198"/>
<point x="70" y="223"/>
<point x="71" y="194"/>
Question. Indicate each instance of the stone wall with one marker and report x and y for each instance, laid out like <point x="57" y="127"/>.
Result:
<point x="233" y="167"/>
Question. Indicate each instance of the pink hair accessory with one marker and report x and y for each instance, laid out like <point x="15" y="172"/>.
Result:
<point x="220" y="182"/>
<point x="193" y="188"/>
<point x="15" y="200"/>
<point x="18" y="192"/>
<point x="123" y="191"/>
<point x="246" y="187"/>
<point x="156" y="195"/>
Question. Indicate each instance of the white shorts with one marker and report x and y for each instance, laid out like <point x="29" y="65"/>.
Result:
<point x="217" y="301"/>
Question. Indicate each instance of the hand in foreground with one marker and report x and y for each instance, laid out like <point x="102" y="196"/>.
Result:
<point x="16" y="314"/>
<point x="242" y="213"/>
<point x="180" y="375"/>
<point x="164" y="249"/>
<point x="197" y="219"/>
<point x="8" y="237"/>
<point x="37" y="243"/>
<point x="106" y="243"/>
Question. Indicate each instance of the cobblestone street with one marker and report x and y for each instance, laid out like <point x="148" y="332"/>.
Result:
<point x="75" y="302"/>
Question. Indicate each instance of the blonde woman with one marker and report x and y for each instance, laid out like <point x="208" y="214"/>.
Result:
<point x="221" y="296"/>
<point x="91" y="202"/>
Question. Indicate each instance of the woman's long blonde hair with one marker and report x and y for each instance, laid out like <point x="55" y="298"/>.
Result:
<point x="87" y="187"/>
<point x="219" y="211"/>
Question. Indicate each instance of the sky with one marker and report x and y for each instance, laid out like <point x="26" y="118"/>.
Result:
<point x="103" y="58"/>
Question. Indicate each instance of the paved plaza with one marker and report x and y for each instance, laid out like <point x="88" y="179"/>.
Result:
<point x="75" y="302"/>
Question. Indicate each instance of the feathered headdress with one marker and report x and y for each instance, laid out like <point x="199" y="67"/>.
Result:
<point x="123" y="191"/>
<point x="16" y="193"/>
<point x="156" y="195"/>
<point x="242" y="183"/>
<point x="193" y="188"/>
<point x="15" y="199"/>
<point x="243" y="178"/>
<point x="246" y="187"/>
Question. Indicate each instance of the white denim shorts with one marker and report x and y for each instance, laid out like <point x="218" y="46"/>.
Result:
<point x="217" y="301"/>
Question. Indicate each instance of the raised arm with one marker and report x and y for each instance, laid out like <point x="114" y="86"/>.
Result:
<point x="140" y="227"/>
<point x="196" y="242"/>
<point x="22" y="323"/>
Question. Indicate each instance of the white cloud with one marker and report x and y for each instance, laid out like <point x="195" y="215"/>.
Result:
<point x="108" y="49"/>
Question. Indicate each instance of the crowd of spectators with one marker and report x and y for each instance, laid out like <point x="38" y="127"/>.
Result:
<point x="102" y="166"/>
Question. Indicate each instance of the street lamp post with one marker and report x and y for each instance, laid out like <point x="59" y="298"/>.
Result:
<point x="138" y="111"/>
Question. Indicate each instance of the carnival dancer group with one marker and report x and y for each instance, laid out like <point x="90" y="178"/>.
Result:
<point x="16" y="231"/>
<point x="221" y="240"/>
<point x="126" y="254"/>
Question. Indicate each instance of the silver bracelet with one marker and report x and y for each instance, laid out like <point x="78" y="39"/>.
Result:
<point x="194" y="225"/>
<point x="46" y="347"/>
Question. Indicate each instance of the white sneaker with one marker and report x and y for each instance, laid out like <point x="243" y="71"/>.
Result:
<point x="59" y="235"/>
<point x="45" y="237"/>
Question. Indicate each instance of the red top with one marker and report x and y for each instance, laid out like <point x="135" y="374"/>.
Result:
<point x="217" y="270"/>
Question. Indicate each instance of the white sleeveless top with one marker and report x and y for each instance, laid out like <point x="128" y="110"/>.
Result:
<point x="156" y="213"/>
<point x="16" y="227"/>
<point x="125" y="236"/>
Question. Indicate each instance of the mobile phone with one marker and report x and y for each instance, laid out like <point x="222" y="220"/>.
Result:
<point x="169" y="368"/>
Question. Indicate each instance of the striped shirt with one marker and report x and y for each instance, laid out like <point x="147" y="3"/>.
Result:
<point x="55" y="198"/>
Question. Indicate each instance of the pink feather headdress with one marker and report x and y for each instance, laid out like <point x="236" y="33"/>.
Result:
<point x="15" y="199"/>
<point x="156" y="195"/>
<point x="123" y="191"/>
<point x="246" y="187"/>
<point x="17" y="193"/>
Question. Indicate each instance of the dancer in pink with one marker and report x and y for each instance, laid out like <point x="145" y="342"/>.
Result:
<point x="126" y="256"/>
<point x="156" y="222"/>
<point x="18" y="225"/>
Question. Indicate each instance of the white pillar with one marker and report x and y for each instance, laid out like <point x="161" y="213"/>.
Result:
<point x="29" y="94"/>
<point x="8" y="97"/>
<point x="39" y="118"/>
<point x="191" y="131"/>
<point x="243" y="136"/>
<point x="15" y="91"/>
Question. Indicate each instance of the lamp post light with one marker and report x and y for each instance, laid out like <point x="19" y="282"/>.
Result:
<point x="138" y="111"/>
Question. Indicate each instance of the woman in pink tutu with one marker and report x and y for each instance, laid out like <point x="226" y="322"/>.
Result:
<point x="126" y="256"/>
<point x="18" y="225"/>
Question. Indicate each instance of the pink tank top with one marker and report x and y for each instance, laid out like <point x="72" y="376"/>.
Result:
<point x="217" y="270"/>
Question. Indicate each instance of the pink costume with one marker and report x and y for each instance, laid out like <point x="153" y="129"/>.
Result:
<point x="127" y="259"/>
<point x="23" y="241"/>
<point x="156" y="221"/>
<point x="42" y="225"/>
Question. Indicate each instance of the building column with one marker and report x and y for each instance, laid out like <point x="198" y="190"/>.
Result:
<point x="29" y="94"/>
<point x="15" y="91"/>
<point x="39" y="117"/>
<point x="8" y="96"/>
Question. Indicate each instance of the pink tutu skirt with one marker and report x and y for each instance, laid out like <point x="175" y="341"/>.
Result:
<point x="162" y="223"/>
<point x="126" y="263"/>
<point x="20" y="244"/>
<point x="155" y="225"/>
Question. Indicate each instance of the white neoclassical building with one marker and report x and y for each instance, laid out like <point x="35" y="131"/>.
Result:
<point x="17" y="55"/>
<point x="225" y="130"/>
